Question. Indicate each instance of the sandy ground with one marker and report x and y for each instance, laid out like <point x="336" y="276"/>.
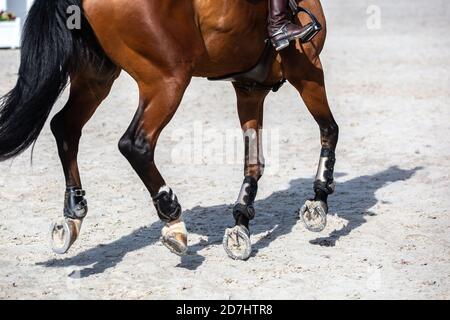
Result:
<point x="388" y="232"/>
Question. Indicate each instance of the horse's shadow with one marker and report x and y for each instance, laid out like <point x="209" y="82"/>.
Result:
<point x="352" y="202"/>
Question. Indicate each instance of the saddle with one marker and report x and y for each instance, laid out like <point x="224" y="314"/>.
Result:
<point x="253" y="78"/>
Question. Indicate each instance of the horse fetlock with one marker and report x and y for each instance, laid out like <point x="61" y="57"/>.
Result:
<point x="75" y="205"/>
<point x="63" y="234"/>
<point x="244" y="204"/>
<point x="174" y="233"/>
<point x="167" y="205"/>
<point x="324" y="181"/>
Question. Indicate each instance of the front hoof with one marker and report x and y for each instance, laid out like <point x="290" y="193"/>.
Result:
<point x="314" y="215"/>
<point x="237" y="244"/>
<point x="174" y="237"/>
<point x="63" y="235"/>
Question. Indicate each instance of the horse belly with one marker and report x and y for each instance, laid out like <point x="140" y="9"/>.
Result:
<point x="216" y="37"/>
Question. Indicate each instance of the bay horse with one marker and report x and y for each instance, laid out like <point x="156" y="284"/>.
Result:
<point x="162" y="45"/>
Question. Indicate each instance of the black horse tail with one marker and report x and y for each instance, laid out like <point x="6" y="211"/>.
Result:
<point x="52" y="50"/>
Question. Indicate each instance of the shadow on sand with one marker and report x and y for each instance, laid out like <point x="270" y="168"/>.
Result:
<point x="352" y="202"/>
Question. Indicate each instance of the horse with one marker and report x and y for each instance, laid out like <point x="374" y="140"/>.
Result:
<point x="162" y="45"/>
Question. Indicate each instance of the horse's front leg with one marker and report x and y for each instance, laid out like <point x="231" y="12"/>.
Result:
<point x="86" y="94"/>
<point x="311" y="85"/>
<point x="236" y="241"/>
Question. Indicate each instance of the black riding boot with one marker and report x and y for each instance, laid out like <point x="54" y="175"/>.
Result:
<point x="281" y="29"/>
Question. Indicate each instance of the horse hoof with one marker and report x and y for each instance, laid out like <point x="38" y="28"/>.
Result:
<point x="174" y="237"/>
<point x="237" y="244"/>
<point x="63" y="235"/>
<point x="314" y="215"/>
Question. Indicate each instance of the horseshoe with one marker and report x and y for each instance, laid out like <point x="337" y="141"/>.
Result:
<point x="314" y="215"/>
<point x="237" y="244"/>
<point x="63" y="234"/>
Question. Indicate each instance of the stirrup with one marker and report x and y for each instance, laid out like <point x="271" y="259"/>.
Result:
<point x="311" y="31"/>
<point x="304" y="37"/>
<point x="313" y="28"/>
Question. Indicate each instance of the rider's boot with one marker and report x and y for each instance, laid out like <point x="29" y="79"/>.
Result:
<point x="281" y="29"/>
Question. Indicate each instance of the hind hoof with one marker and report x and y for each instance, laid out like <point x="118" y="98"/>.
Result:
<point x="63" y="235"/>
<point x="314" y="215"/>
<point x="175" y="238"/>
<point x="237" y="244"/>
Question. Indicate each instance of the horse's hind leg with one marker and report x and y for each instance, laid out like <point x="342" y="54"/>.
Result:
<point x="159" y="100"/>
<point x="86" y="94"/>
<point x="311" y="85"/>
<point x="250" y="108"/>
